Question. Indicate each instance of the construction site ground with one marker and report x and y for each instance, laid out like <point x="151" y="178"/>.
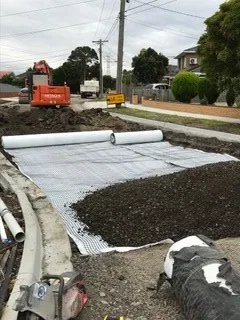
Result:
<point x="125" y="283"/>
<point x="12" y="204"/>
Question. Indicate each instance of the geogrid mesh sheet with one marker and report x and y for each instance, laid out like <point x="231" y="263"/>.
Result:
<point x="68" y="173"/>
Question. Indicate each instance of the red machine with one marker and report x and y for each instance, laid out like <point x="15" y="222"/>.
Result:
<point x="52" y="298"/>
<point x="41" y="90"/>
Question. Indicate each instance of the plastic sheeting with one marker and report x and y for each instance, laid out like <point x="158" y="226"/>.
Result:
<point x="68" y="173"/>
<point x="136" y="137"/>
<point x="54" y="139"/>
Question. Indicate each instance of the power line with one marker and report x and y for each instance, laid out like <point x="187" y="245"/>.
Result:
<point x="144" y="4"/>
<point x="48" y="8"/>
<point x="39" y="54"/>
<point x="173" y="11"/>
<point x="50" y="29"/>
<point x="112" y="28"/>
<point x="113" y="7"/>
<point x="149" y="8"/>
<point x="100" y="18"/>
<point x="27" y="61"/>
<point x="159" y="29"/>
<point x="27" y="52"/>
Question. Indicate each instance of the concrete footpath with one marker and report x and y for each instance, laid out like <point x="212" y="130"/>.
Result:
<point x="190" y="131"/>
<point x="103" y="105"/>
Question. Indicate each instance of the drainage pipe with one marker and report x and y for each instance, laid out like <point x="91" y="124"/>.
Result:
<point x="2" y="231"/>
<point x="54" y="139"/>
<point x="136" y="137"/>
<point x="11" y="222"/>
<point x="204" y="281"/>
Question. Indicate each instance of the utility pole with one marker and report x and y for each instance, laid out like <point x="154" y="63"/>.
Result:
<point x="100" y="42"/>
<point x="120" y="45"/>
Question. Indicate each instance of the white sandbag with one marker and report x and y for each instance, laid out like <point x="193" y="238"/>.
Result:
<point x="136" y="137"/>
<point x="54" y="139"/>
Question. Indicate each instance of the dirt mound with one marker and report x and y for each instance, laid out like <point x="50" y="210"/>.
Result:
<point x="14" y="121"/>
<point x="200" y="200"/>
<point x="59" y="120"/>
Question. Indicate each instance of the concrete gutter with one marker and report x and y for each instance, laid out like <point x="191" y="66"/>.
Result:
<point x="30" y="269"/>
<point x="47" y="248"/>
<point x="190" y="131"/>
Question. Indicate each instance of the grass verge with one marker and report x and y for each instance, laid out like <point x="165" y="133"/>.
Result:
<point x="185" y="121"/>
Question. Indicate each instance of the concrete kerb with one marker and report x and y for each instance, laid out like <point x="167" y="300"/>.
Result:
<point x="47" y="245"/>
<point x="30" y="269"/>
<point x="191" y="131"/>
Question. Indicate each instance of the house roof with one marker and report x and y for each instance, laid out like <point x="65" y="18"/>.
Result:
<point x="189" y="50"/>
<point x="197" y="69"/>
<point x="4" y="87"/>
<point x="22" y="76"/>
<point x="4" y="73"/>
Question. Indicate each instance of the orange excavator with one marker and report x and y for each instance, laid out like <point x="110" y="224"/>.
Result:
<point x="41" y="91"/>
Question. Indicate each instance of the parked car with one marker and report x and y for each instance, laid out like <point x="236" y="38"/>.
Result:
<point x="157" y="86"/>
<point x="23" y="96"/>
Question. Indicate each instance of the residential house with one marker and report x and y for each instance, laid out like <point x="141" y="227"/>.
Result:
<point x="188" y="59"/>
<point x="172" y="71"/>
<point x="4" y="73"/>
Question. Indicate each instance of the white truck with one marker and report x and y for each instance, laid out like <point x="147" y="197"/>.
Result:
<point x="89" y="88"/>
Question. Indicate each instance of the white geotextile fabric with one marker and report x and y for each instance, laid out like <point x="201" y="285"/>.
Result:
<point x="68" y="173"/>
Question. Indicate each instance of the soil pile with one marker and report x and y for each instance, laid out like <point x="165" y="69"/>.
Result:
<point x="203" y="200"/>
<point x="14" y="121"/>
<point x="59" y="120"/>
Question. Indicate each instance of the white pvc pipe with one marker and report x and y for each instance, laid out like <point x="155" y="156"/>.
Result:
<point x="2" y="231"/>
<point x="11" y="222"/>
<point x="136" y="137"/>
<point x="53" y="139"/>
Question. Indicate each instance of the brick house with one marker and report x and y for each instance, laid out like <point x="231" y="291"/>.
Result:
<point x="188" y="60"/>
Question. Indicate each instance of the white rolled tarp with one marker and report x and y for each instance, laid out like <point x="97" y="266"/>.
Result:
<point x="136" y="137"/>
<point x="54" y="139"/>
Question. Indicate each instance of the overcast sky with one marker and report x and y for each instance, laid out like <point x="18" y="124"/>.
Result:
<point x="78" y="22"/>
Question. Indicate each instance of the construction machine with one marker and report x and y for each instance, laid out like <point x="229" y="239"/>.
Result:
<point x="41" y="91"/>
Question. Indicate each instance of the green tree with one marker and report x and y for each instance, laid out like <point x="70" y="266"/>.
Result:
<point x="109" y="83"/>
<point x="208" y="90"/>
<point x="230" y="97"/>
<point x="149" y="66"/>
<point x="82" y="64"/>
<point x="185" y="86"/>
<point x="12" y="79"/>
<point x="59" y="76"/>
<point x="219" y="46"/>
<point x="85" y="60"/>
<point x="128" y="77"/>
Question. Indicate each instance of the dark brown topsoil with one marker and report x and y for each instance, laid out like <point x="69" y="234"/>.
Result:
<point x="203" y="200"/>
<point x="16" y="120"/>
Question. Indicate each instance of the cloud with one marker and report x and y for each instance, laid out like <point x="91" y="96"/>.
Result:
<point x="164" y="31"/>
